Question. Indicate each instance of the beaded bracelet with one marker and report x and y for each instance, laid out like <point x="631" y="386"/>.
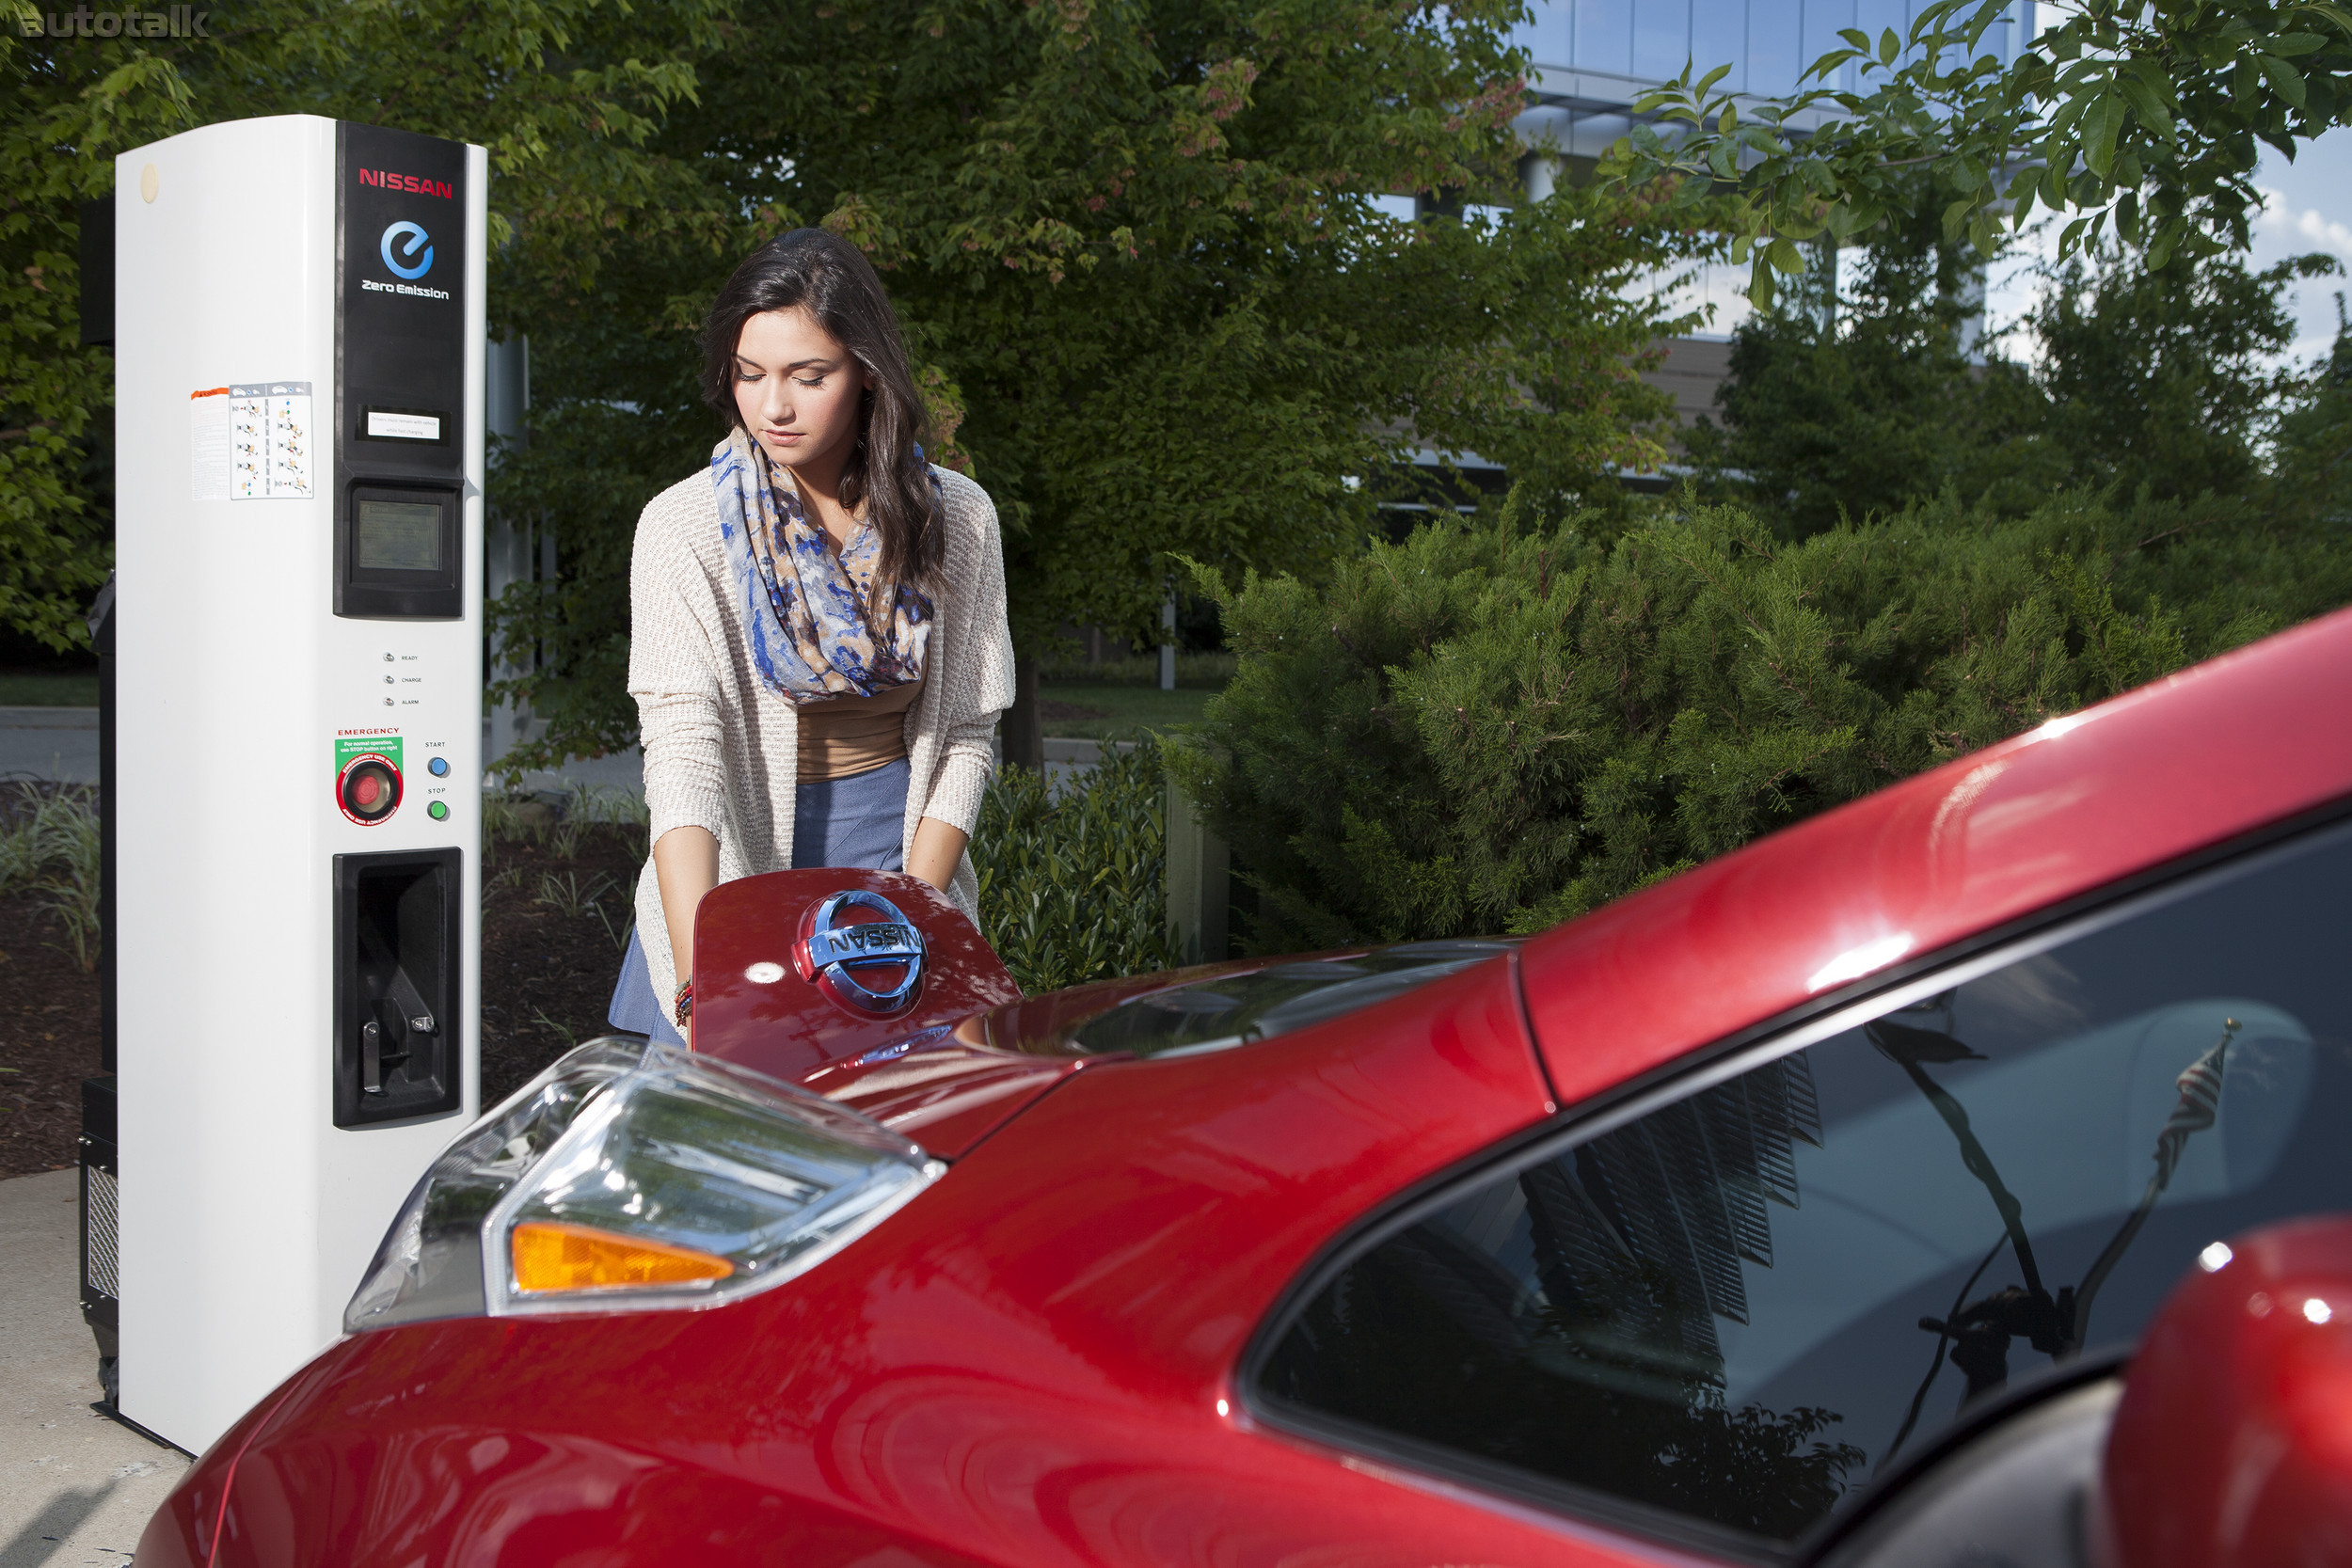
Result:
<point x="683" y="1008"/>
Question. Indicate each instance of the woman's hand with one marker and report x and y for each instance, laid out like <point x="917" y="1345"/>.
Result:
<point x="685" y="866"/>
<point x="938" y="850"/>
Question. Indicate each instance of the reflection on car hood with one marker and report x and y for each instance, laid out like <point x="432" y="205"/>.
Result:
<point x="1235" y="1009"/>
<point x="947" y="1086"/>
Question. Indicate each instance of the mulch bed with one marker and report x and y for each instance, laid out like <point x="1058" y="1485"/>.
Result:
<point x="48" y="1038"/>
<point x="547" y="973"/>
<point x="546" y="976"/>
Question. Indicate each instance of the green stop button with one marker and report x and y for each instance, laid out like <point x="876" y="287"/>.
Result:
<point x="438" y="810"/>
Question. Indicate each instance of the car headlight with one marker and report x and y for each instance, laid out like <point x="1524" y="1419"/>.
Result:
<point x="631" y="1175"/>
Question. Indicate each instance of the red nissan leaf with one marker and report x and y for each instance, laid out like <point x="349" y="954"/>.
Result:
<point x="1949" y="1179"/>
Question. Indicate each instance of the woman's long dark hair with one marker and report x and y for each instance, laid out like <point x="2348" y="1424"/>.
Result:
<point x="812" y="268"/>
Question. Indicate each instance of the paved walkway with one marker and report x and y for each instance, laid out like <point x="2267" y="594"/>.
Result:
<point x="53" y="743"/>
<point x="75" y="1487"/>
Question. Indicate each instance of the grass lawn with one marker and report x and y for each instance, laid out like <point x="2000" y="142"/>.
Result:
<point x="1071" y="707"/>
<point x="46" y="690"/>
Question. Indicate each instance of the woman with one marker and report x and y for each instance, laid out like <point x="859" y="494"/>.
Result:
<point x="818" y="640"/>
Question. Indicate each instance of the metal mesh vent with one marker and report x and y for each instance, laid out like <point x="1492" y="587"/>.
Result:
<point x="106" y="1228"/>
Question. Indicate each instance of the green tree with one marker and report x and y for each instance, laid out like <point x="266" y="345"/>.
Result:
<point x="2315" y="438"/>
<point x="2172" y="381"/>
<point x="1139" y="254"/>
<point x="2143" y="120"/>
<point x="567" y="95"/>
<point x="1846" y="406"/>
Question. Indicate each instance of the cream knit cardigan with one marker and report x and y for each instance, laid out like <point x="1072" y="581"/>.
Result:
<point x="723" y="752"/>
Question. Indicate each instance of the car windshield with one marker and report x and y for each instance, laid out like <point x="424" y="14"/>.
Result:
<point x="1744" y="1304"/>
<point x="1235" y="1009"/>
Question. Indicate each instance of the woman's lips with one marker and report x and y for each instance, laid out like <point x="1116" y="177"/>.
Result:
<point x="784" y="435"/>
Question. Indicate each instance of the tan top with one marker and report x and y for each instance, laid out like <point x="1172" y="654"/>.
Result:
<point x="841" y="735"/>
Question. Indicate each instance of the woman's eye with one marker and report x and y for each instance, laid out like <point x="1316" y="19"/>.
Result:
<point x="819" y="382"/>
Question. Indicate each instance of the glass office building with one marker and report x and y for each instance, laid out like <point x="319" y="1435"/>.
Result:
<point x="1594" y="58"/>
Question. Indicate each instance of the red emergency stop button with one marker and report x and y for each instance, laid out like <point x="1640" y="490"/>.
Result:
<point x="368" y="789"/>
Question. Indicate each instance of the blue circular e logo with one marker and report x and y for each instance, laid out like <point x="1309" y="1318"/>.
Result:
<point x="417" y="240"/>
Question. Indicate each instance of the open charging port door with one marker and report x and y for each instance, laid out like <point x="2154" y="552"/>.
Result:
<point x="397" y="958"/>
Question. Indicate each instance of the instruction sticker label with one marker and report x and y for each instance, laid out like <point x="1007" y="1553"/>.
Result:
<point x="252" y="442"/>
<point x="359" y="743"/>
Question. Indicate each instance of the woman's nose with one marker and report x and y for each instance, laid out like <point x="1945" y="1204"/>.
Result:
<point x="775" y="399"/>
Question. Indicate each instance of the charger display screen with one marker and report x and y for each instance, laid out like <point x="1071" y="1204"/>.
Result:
<point x="398" y="537"/>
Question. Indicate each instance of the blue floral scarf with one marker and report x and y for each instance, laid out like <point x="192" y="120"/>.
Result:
<point x="810" y="634"/>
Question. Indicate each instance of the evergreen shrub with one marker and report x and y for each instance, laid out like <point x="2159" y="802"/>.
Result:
<point x="1499" y="723"/>
<point x="1075" y="889"/>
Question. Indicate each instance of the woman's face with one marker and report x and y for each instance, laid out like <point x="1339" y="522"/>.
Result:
<point x="798" y="391"/>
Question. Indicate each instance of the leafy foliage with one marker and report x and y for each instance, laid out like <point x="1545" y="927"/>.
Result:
<point x="1149" y="289"/>
<point x="1154" y="302"/>
<point x="567" y="95"/>
<point x="616" y="419"/>
<point x="2169" y="378"/>
<point x="2141" y="120"/>
<point x="2314" y="437"/>
<point x="1500" y="724"/>
<point x="2165" y="380"/>
<point x="1075" y="890"/>
<point x="1858" y="402"/>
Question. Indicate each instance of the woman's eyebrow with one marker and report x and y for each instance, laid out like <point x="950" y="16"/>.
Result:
<point x="795" y="365"/>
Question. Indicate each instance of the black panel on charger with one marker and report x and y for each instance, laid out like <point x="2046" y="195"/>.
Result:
<point x="400" y="372"/>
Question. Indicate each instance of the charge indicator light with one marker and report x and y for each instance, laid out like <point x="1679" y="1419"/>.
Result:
<point x="438" y="767"/>
<point x="438" y="810"/>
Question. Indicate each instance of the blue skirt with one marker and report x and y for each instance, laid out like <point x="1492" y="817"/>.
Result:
<point x="858" y="821"/>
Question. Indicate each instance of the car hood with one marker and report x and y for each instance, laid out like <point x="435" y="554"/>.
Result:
<point x="968" y="1051"/>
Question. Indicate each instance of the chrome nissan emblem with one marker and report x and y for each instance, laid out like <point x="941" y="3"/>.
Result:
<point x="859" y="949"/>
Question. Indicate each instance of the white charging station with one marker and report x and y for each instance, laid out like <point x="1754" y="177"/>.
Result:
<point x="299" y="356"/>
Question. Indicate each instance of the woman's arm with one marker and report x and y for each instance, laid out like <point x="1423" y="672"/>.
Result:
<point x="938" y="850"/>
<point x="686" y="866"/>
<point x="674" y="674"/>
<point x="978" y="680"/>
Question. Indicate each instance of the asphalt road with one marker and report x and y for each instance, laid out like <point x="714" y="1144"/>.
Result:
<point x="53" y="743"/>
<point x="75" y="1487"/>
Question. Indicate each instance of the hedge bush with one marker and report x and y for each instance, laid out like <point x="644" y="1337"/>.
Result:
<point x="1075" y="890"/>
<point x="1497" y="724"/>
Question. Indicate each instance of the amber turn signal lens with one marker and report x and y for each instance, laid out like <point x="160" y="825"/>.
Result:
<point x="579" y="1257"/>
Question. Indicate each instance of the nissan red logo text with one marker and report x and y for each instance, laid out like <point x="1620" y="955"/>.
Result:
<point x="390" y="182"/>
